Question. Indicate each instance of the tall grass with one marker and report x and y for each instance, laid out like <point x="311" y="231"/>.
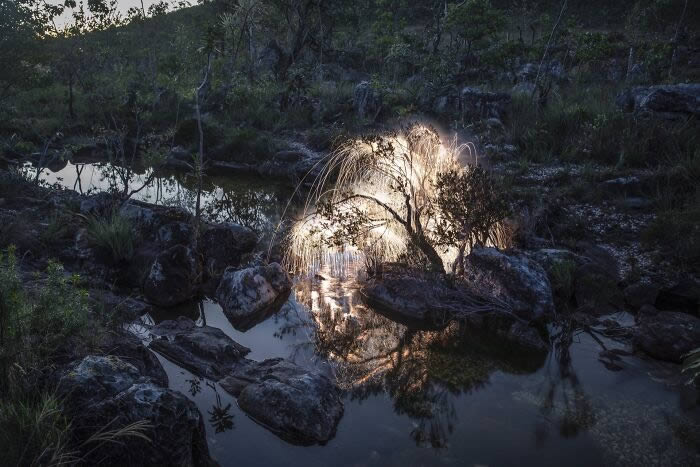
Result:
<point x="33" y="330"/>
<point x="114" y="234"/>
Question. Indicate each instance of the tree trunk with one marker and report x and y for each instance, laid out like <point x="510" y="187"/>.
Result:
<point x="71" y="112"/>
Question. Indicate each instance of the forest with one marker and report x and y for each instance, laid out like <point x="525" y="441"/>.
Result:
<point x="369" y="232"/>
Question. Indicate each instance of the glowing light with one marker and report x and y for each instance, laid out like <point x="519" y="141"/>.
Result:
<point x="386" y="180"/>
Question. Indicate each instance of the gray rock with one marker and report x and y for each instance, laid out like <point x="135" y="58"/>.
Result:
<point x="476" y="104"/>
<point x="671" y="101"/>
<point x="205" y="351"/>
<point x="170" y="280"/>
<point x="366" y="100"/>
<point x="623" y="186"/>
<point x="413" y="297"/>
<point x="668" y="335"/>
<point x="299" y="405"/>
<point x="107" y="393"/>
<point x="129" y="349"/>
<point x="224" y="245"/>
<point x="525" y="89"/>
<point x="174" y="233"/>
<point x="512" y="278"/>
<point x="249" y="296"/>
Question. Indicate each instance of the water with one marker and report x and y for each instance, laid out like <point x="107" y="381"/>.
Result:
<point x="416" y="397"/>
<point x="245" y="199"/>
<point x="427" y="397"/>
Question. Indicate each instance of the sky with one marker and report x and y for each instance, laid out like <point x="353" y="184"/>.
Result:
<point x="122" y="5"/>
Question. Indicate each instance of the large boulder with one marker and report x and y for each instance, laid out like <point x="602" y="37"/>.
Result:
<point x="512" y="278"/>
<point x="170" y="280"/>
<point x="413" y="297"/>
<point x="205" y="351"/>
<point x="671" y="101"/>
<point x="224" y="245"/>
<point x="106" y="393"/>
<point x="129" y="349"/>
<point x="667" y="335"/>
<point x="249" y="296"/>
<point x="299" y="405"/>
<point x="366" y="100"/>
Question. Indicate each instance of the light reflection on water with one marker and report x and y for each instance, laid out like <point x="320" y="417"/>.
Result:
<point x="422" y="397"/>
<point x="443" y="397"/>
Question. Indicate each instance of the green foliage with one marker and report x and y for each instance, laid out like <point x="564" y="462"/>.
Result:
<point x="473" y="21"/>
<point x="113" y="234"/>
<point x="676" y="232"/>
<point x="471" y="204"/>
<point x="562" y="277"/>
<point x="33" y="328"/>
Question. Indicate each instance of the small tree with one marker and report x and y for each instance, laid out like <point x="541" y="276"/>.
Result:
<point x="470" y="208"/>
<point x="474" y="20"/>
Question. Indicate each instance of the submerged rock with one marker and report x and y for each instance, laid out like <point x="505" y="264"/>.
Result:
<point x="519" y="282"/>
<point x="667" y="335"/>
<point x="299" y="405"/>
<point x="205" y="351"/>
<point x="106" y="393"/>
<point x="248" y="296"/>
<point x="170" y="280"/>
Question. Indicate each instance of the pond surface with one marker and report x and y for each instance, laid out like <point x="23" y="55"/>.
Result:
<point x="444" y="397"/>
<point x="425" y="397"/>
<point x="249" y="200"/>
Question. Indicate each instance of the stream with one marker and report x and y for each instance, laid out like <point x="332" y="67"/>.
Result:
<point x="417" y="397"/>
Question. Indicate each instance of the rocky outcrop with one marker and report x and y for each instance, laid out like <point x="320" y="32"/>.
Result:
<point x="471" y="104"/>
<point x="224" y="245"/>
<point x="512" y="278"/>
<point x="299" y="405"/>
<point x="477" y="104"/>
<point x="669" y="101"/>
<point x="366" y="100"/>
<point x="249" y="296"/>
<point x="667" y="335"/>
<point x="170" y="280"/>
<point x="106" y="393"/>
<point x="205" y="351"/>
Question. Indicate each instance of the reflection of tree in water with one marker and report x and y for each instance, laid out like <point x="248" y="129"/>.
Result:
<point x="423" y="371"/>
<point x="562" y="401"/>
<point x="219" y="415"/>
<point x="246" y="207"/>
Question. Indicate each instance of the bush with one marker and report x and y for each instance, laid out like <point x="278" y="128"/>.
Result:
<point x="114" y="235"/>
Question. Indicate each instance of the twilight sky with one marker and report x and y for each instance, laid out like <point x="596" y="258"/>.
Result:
<point x="123" y="6"/>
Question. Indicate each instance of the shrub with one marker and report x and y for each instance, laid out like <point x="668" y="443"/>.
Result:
<point x="562" y="276"/>
<point x="114" y="235"/>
